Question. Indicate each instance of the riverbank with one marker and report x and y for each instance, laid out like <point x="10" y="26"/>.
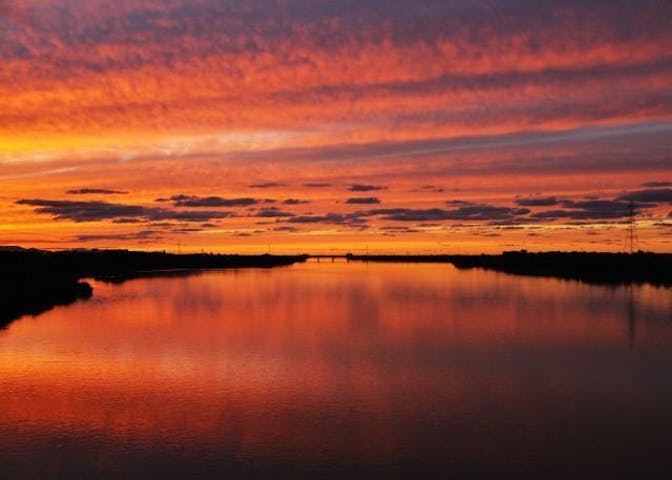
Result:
<point x="595" y="268"/>
<point x="33" y="281"/>
<point x="34" y="292"/>
<point x="590" y="267"/>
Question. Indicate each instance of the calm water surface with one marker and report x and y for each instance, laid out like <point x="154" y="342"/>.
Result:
<point x="341" y="371"/>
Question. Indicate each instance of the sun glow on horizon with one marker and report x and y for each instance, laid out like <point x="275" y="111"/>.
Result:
<point x="456" y="125"/>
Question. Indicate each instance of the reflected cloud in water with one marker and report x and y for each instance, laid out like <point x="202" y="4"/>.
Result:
<point x="341" y="370"/>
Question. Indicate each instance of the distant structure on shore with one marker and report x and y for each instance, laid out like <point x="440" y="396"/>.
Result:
<point x="632" y="241"/>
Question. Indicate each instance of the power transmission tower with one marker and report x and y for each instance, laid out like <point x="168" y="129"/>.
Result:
<point x="632" y="239"/>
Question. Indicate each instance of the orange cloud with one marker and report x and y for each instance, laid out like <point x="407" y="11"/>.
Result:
<point x="206" y="98"/>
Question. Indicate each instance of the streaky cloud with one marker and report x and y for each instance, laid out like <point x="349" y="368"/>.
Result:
<point x="273" y="212"/>
<point x="592" y="210"/>
<point x="467" y="212"/>
<point x="362" y="200"/>
<point x="96" y="211"/>
<point x="649" y="195"/>
<point x="99" y="191"/>
<point x="268" y="185"/>
<point x="357" y="187"/>
<point x="536" y="201"/>
<point x="141" y="235"/>
<point x="213" y="201"/>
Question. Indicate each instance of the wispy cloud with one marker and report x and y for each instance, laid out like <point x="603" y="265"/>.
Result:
<point x="98" y="191"/>
<point x="357" y="187"/>
<point x="214" y="201"/>
<point x="362" y="200"/>
<point x="536" y="201"/>
<point x="182" y="102"/>
<point x="649" y="195"/>
<point x="268" y="185"/>
<point x="95" y="211"/>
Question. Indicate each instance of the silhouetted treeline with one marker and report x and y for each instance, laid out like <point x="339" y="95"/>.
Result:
<point x="32" y="281"/>
<point x="597" y="268"/>
<point x="32" y="291"/>
<point x="403" y="258"/>
<point x="590" y="267"/>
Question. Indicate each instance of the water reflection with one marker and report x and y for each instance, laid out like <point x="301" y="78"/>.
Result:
<point x="341" y="370"/>
<point x="632" y="316"/>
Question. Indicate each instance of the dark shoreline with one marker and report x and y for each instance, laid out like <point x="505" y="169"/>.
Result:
<point x="595" y="268"/>
<point x="36" y="292"/>
<point x="33" y="281"/>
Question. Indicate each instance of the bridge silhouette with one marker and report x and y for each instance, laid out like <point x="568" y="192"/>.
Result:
<point x="333" y="257"/>
<point x="351" y="257"/>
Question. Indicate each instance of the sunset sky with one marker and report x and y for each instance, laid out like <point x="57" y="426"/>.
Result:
<point x="335" y="125"/>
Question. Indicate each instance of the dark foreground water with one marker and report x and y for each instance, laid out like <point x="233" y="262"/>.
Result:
<point x="342" y="371"/>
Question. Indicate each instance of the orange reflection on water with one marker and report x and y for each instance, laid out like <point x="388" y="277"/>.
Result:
<point x="362" y="366"/>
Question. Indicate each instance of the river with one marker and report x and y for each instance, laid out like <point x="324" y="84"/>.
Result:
<point x="341" y="370"/>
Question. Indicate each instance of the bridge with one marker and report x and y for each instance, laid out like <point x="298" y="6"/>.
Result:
<point x="351" y="257"/>
<point x="333" y="257"/>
